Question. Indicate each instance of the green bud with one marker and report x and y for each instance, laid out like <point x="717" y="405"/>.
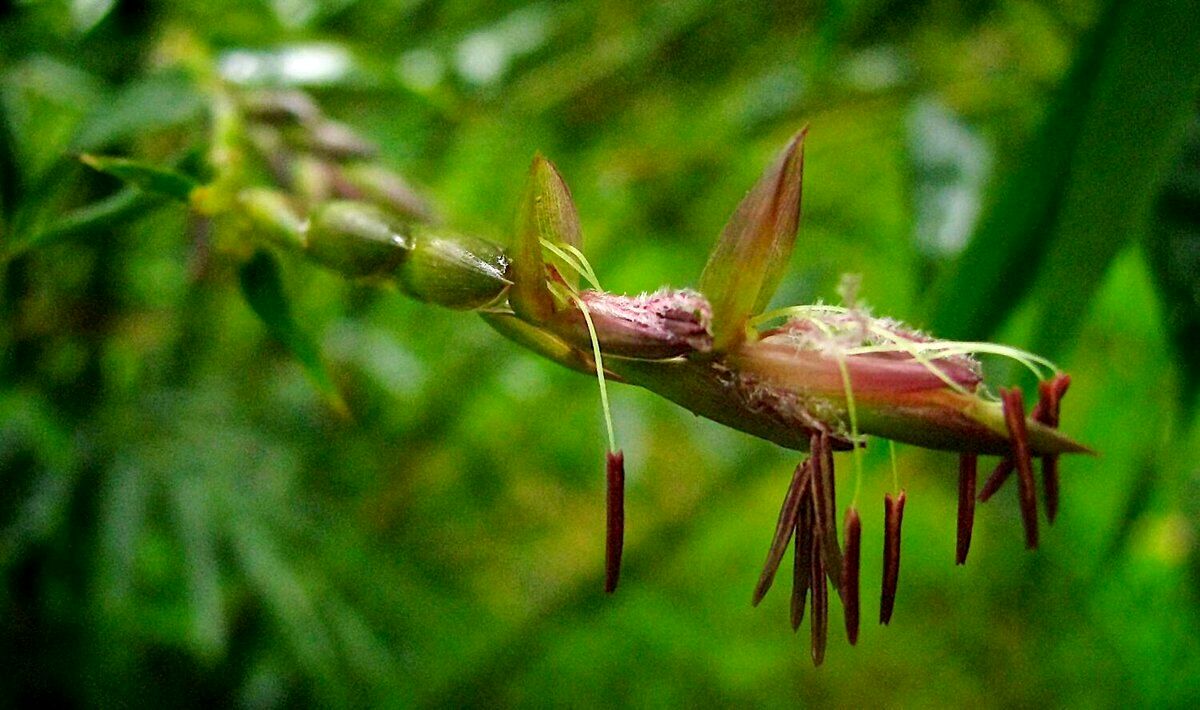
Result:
<point x="453" y="270"/>
<point x="271" y="215"/>
<point x="357" y="239"/>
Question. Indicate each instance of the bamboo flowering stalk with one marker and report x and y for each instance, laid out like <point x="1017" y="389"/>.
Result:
<point x="815" y="379"/>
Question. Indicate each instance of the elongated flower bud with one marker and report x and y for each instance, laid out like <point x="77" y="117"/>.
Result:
<point x="429" y="264"/>
<point x="453" y="270"/>
<point x="357" y="239"/>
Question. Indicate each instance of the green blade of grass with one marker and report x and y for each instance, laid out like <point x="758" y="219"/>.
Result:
<point x="1084" y="189"/>
<point x="1173" y="252"/>
<point x="263" y="289"/>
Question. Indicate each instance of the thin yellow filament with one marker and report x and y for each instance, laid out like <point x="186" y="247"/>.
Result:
<point x="576" y="260"/>
<point x="895" y="468"/>
<point x="582" y="266"/>
<point x="852" y="413"/>
<point x="587" y="317"/>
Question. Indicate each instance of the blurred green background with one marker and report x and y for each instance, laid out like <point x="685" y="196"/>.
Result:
<point x="185" y="521"/>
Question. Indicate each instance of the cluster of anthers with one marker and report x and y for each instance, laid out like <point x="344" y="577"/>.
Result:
<point x="807" y="517"/>
<point x="816" y="378"/>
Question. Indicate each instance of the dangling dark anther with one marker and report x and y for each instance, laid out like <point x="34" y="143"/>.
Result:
<point x="802" y="561"/>
<point x="893" y="511"/>
<point x="1050" y="395"/>
<point x="967" y="469"/>
<point x="826" y="506"/>
<point x="1014" y="417"/>
<point x="850" y="569"/>
<point x="820" y="603"/>
<point x="614" y="541"/>
<point x="797" y="491"/>
<point x="996" y="481"/>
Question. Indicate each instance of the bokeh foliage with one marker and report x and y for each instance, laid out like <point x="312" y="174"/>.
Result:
<point x="187" y="520"/>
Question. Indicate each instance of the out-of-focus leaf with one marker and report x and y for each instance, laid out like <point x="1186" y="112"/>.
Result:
<point x="1173" y="250"/>
<point x="263" y="289"/>
<point x="44" y="101"/>
<point x="115" y="209"/>
<point x="28" y="425"/>
<point x="754" y="248"/>
<point x="950" y="164"/>
<point x="1084" y="190"/>
<point x="150" y="178"/>
<point x="195" y="516"/>
<point x="284" y="594"/>
<point x="151" y="104"/>
<point x="10" y="175"/>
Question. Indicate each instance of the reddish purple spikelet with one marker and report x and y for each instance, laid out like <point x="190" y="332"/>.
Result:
<point x="818" y="378"/>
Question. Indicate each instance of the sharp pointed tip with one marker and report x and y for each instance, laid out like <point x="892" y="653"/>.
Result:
<point x="541" y="164"/>
<point x="795" y="144"/>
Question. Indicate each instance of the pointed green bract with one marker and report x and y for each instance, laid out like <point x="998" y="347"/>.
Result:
<point x="547" y="212"/>
<point x="753" y="251"/>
